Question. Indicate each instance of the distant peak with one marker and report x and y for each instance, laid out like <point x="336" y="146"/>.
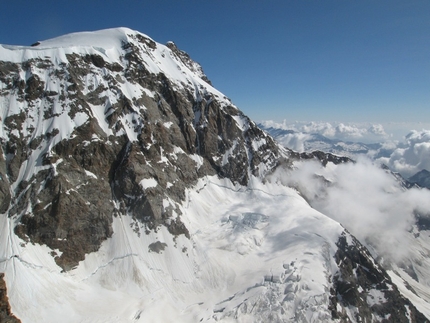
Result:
<point x="423" y="172"/>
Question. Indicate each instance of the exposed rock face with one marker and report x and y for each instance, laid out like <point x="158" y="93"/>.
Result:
<point x="131" y="153"/>
<point x="365" y="290"/>
<point x="5" y="314"/>
<point x="324" y="158"/>
<point x="4" y="186"/>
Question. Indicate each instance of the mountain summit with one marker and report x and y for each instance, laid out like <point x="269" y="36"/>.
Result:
<point x="123" y="125"/>
<point x="131" y="190"/>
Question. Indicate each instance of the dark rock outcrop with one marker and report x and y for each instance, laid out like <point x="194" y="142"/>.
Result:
<point x="365" y="286"/>
<point x="5" y="196"/>
<point x="324" y="158"/>
<point x="6" y="316"/>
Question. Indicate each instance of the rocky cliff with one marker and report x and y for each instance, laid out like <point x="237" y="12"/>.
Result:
<point x="93" y="136"/>
<point x="6" y="315"/>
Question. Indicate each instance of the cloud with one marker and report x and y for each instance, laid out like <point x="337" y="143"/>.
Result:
<point x="377" y="129"/>
<point x="365" y="199"/>
<point x="295" y="141"/>
<point x="332" y="130"/>
<point x="322" y="128"/>
<point x="411" y="156"/>
<point x="407" y="157"/>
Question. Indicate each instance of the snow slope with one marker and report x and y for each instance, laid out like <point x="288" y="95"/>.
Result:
<point x="109" y="45"/>
<point x="250" y="249"/>
<point x="374" y="205"/>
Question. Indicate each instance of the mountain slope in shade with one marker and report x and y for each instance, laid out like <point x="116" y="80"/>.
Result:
<point x="422" y="178"/>
<point x="133" y="191"/>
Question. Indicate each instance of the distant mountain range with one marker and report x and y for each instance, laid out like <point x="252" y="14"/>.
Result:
<point x="315" y="142"/>
<point x="312" y="142"/>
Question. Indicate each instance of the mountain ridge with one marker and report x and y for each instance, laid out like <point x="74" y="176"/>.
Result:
<point x="125" y="175"/>
<point x="421" y="178"/>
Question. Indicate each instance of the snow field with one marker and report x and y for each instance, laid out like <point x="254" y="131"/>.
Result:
<point x="242" y="248"/>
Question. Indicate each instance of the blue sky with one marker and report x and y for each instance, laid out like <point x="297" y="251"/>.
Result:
<point x="321" y="60"/>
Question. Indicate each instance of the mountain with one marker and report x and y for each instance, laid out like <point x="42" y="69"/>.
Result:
<point x="5" y="311"/>
<point x="131" y="190"/>
<point x="422" y="178"/>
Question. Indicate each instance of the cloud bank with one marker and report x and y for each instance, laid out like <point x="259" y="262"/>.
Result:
<point x="412" y="156"/>
<point x="341" y="131"/>
<point x="407" y="156"/>
<point x="365" y="199"/>
<point x="295" y="141"/>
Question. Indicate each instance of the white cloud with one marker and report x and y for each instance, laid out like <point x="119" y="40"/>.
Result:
<point x="295" y="141"/>
<point x="406" y="157"/>
<point x="277" y="125"/>
<point x="377" y="129"/>
<point x="413" y="156"/>
<point x="347" y="131"/>
<point x="365" y="199"/>
<point x="334" y="130"/>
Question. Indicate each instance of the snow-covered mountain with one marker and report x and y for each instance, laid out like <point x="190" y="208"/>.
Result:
<point x="131" y="190"/>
